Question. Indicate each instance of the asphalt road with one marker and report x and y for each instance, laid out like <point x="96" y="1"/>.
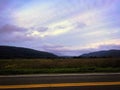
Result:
<point x="62" y="79"/>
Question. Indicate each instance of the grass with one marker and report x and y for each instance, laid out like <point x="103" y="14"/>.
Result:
<point x="81" y="65"/>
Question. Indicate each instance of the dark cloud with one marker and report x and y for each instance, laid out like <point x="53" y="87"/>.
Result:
<point x="42" y="29"/>
<point x="80" y="25"/>
<point x="15" y="38"/>
<point x="10" y="29"/>
<point x="11" y="33"/>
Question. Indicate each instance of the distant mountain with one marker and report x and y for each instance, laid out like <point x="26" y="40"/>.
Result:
<point x="108" y="53"/>
<point x="19" y="52"/>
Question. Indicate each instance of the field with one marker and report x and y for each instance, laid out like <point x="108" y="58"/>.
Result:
<point x="68" y="65"/>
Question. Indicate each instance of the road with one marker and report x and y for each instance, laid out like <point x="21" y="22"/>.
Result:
<point x="88" y="81"/>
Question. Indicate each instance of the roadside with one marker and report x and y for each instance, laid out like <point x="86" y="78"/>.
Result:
<point x="49" y="66"/>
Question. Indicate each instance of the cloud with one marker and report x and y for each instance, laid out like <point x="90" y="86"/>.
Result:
<point x="97" y="45"/>
<point x="97" y="33"/>
<point x="10" y="29"/>
<point x="107" y="47"/>
<point x="58" y="22"/>
<point x="78" y="50"/>
<point x="3" y="5"/>
<point x="111" y="42"/>
<point x="80" y="25"/>
<point x="62" y="50"/>
<point x="34" y="13"/>
<point x="67" y="52"/>
<point x="89" y="25"/>
<point x="15" y="39"/>
<point x="42" y="29"/>
<point x="12" y="33"/>
<point x="54" y="29"/>
<point x="60" y="27"/>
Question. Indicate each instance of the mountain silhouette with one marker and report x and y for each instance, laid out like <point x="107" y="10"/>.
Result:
<point x="107" y="53"/>
<point x="10" y="52"/>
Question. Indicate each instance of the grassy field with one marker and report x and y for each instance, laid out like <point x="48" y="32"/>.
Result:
<point x="81" y="65"/>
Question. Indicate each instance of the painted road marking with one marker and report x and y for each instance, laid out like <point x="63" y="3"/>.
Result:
<point x="58" y="85"/>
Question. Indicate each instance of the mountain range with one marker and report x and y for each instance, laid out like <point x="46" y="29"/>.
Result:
<point x="11" y="52"/>
<point x="104" y="53"/>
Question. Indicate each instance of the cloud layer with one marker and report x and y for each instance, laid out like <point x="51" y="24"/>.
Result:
<point x="64" y="27"/>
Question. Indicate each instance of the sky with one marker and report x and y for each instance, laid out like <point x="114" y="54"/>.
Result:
<point x="63" y="27"/>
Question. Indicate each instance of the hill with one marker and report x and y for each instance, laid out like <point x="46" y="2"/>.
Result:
<point x="10" y="52"/>
<point x="107" y="53"/>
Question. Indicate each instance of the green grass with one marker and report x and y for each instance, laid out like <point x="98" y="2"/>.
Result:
<point x="82" y="65"/>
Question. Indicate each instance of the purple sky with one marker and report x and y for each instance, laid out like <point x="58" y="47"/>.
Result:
<point x="63" y="27"/>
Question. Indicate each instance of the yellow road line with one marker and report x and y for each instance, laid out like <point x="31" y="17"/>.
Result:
<point x="58" y="85"/>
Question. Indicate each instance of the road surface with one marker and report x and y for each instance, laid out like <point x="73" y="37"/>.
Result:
<point x="88" y="81"/>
